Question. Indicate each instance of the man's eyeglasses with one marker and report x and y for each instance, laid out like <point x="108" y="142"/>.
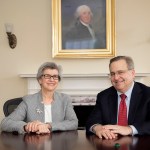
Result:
<point x="48" y="76"/>
<point x="118" y="73"/>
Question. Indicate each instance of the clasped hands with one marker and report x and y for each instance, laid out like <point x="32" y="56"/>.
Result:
<point x="37" y="127"/>
<point x="111" y="131"/>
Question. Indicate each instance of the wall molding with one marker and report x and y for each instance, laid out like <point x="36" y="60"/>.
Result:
<point x="83" y="88"/>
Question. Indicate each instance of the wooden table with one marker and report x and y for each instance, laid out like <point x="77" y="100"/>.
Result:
<point x="70" y="140"/>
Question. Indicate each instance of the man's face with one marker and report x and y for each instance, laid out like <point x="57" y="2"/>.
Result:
<point x="121" y="77"/>
<point x="85" y="16"/>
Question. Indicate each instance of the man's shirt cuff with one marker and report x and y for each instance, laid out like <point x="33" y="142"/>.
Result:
<point x="134" y="130"/>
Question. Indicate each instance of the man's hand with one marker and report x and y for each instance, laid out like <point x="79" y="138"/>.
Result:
<point x="101" y="131"/>
<point x="122" y="130"/>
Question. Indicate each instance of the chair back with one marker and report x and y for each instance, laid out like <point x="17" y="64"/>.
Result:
<point x="11" y="105"/>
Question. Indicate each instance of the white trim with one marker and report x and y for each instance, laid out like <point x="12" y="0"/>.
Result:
<point x="82" y="88"/>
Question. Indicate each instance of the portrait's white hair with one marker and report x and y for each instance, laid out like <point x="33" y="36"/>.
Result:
<point x="81" y="9"/>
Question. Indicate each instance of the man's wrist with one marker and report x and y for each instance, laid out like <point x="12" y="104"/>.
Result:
<point x="94" y="127"/>
<point x="134" y="130"/>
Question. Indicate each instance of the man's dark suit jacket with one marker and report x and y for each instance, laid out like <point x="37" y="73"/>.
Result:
<point x="105" y="111"/>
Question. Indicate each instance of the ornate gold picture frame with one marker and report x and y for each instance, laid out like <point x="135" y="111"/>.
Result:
<point x="64" y="16"/>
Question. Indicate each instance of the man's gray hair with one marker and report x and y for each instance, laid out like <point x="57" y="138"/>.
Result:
<point x="81" y="9"/>
<point x="127" y="59"/>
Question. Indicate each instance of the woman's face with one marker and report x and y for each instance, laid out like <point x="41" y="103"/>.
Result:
<point x="49" y="80"/>
<point x="85" y="16"/>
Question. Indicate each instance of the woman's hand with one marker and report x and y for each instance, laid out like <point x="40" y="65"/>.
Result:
<point x="38" y="127"/>
<point x="43" y="128"/>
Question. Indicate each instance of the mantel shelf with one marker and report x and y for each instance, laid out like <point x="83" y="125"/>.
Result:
<point x="82" y="88"/>
<point x="96" y="75"/>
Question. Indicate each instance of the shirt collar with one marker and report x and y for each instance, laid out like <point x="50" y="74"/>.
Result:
<point x="127" y="93"/>
<point x="87" y="25"/>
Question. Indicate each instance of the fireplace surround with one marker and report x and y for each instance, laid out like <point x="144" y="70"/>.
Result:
<point x="82" y="88"/>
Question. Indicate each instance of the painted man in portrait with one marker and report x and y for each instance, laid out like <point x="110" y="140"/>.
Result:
<point x="82" y="34"/>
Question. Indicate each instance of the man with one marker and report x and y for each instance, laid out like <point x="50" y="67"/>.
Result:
<point x="82" y="35"/>
<point x="105" y="120"/>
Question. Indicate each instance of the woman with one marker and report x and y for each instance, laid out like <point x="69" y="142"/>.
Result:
<point x="45" y="111"/>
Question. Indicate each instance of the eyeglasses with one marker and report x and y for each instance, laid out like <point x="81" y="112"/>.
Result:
<point x="118" y="73"/>
<point x="48" y="76"/>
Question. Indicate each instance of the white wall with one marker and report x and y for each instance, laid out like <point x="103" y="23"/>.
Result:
<point x="32" y="26"/>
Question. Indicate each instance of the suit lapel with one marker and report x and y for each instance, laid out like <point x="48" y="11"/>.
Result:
<point x="40" y="108"/>
<point x="55" y="106"/>
<point x="134" y="102"/>
<point x="113" y="105"/>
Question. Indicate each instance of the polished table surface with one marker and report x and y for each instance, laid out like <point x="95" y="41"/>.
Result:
<point x="70" y="140"/>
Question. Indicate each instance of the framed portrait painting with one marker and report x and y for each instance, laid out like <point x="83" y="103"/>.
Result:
<point x="83" y="28"/>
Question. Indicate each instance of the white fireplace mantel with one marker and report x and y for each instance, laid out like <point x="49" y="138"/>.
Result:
<point x="73" y="84"/>
<point x="83" y="75"/>
<point x="81" y="87"/>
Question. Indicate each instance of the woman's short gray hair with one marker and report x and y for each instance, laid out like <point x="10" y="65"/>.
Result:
<point x="48" y="65"/>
